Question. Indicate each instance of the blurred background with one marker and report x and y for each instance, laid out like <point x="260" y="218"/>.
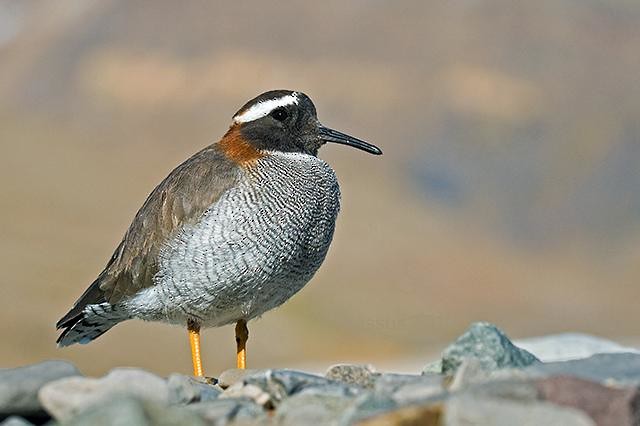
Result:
<point x="509" y="190"/>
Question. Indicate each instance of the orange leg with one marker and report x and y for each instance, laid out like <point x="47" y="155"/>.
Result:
<point x="242" y="335"/>
<point x="194" y="340"/>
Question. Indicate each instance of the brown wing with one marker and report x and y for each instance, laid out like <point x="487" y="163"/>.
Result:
<point x="181" y="198"/>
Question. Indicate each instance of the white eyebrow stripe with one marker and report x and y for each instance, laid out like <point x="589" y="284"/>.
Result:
<point x="262" y="109"/>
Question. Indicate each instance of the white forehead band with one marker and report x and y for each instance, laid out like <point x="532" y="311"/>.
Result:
<point x="262" y="109"/>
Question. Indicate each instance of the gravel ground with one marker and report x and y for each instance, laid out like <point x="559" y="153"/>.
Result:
<point x="480" y="379"/>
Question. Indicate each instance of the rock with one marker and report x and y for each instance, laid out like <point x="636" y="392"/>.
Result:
<point x="468" y="373"/>
<point x="434" y="367"/>
<point x="186" y="390"/>
<point x="307" y="409"/>
<point x="234" y="375"/>
<point x="608" y="369"/>
<point x="464" y="410"/>
<point x="353" y="374"/>
<point x="224" y="411"/>
<point x="424" y="415"/>
<point x="124" y="410"/>
<point x="270" y="387"/>
<point x="19" y="387"/>
<point x="407" y="388"/>
<point x="390" y="382"/>
<point x="324" y="403"/>
<point x="15" y="421"/>
<point x="250" y="392"/>
<point x="490" y="346"/>
<point x="568" y="346"/>
<point x="518" y="390"/>
<point x="66" y="397"/>
<point x="605" y="405"/>
<point x="331" y="390"/>
<point x="367" y="405"/>
<point x="430" y="409"/>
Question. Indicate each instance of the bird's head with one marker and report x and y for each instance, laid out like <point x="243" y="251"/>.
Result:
<point x="286" y="121"/>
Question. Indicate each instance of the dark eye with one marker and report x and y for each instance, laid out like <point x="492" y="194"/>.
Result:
<point x="280" y="114"/>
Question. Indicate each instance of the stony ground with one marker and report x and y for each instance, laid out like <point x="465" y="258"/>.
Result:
<point x="481" y="379"/>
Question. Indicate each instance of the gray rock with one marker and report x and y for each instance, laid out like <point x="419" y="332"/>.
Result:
<point x="465" y="410"/>
<point x="250" y="392"/>
<point x="512" y="390"/>
<point x="607" y="406"/>
<point x="423" y="415"/>
<point x="434" y="367"/>
<point x="187" y="389"/>
<point x="307" y="409"/>
<point x="468" y="373"/>
<point x="19" y="386"/>
<point x="569" y="346"/>
<point x="331" y="390"/>
<point x="67" y="397"/>
<point x="609" y="369"/>
<point x="367" y="405"/>
<point x="353" y="374"/>
<point x="324" y="404"/>
<point x="390" y="382"/>
<point x="408" y="388"/>
<point x="129" y="411"/>
<point x="232" y="376"/>
<point x="416" y="393"/>
<point x="490" y="346"/>
<point x="222" y="412"/>
<point x="15" y="421"/>
<point x="270" y="387"/>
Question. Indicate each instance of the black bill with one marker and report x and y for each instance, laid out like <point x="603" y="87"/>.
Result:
<point x="330" y="135"/>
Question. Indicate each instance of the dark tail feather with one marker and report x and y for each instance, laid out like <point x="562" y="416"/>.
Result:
<point x="92" y="295"/>
<point x="88" y="324"/>
<point x="90" y="317"/>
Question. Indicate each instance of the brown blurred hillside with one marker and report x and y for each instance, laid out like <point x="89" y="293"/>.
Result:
<point x="509" y="190"/>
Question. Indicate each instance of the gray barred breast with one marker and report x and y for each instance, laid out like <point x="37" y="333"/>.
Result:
<point x="253" y="249"/>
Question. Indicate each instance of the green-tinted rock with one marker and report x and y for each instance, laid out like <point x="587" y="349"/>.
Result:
<point x="490" y="346"/>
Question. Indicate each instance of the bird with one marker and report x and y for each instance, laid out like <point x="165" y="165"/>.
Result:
<point x="234" y="231"/>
